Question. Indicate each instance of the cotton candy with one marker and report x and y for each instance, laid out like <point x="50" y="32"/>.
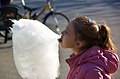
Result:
<point x="35" y="50"/>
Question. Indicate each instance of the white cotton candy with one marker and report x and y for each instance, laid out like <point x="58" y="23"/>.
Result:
<point x="35" y="50"/>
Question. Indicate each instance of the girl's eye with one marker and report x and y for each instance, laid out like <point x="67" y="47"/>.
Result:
<point x="66" y="32"/>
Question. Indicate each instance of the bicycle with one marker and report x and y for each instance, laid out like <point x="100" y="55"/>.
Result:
<point x="7" y="13"/>
<point x="54" y="20"/>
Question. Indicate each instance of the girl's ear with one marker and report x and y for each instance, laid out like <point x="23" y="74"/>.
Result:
<point x="78" y="44"/>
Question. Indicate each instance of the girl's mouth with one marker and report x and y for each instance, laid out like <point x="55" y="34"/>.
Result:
<point x="60" y="40"/>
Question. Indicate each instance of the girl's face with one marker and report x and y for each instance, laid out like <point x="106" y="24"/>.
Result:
<point x="68" y="37"/>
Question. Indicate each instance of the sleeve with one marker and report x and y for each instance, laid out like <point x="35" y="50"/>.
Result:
<point x="112" y="61"/>
<point x="94" y="74"/>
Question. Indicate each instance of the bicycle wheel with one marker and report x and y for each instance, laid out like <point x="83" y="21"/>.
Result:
<point x="2" y="33"/>
<point x="56" y="21"/>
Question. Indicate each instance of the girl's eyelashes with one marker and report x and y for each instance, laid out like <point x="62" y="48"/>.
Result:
<point x="64" y="32"/>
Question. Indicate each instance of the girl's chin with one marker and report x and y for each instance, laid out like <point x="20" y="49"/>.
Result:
<point x="63" y="45"/>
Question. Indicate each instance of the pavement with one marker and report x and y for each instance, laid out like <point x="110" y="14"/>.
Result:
<point x="7" y="65"/>
<point x="109" y="10"/>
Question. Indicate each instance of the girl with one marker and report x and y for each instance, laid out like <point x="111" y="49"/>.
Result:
<point x="93" y="52"/>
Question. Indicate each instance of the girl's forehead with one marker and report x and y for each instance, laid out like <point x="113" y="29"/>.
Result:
<point x="70" y="26"/>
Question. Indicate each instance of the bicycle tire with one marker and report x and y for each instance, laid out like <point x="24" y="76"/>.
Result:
<point x="50" y="21"/>
<point x="2" y="33"/>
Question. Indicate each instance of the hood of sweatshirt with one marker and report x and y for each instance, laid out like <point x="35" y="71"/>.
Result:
<point x="106" y="59"/>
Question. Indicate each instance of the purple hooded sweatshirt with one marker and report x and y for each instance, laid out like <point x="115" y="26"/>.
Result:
<point x="92" y="64"/>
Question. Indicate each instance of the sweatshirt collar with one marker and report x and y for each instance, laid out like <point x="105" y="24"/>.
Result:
<point x="74" y="60"/>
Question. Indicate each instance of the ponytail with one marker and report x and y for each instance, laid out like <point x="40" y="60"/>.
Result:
<point x="105" y="40"/>
<point x="87" y="30"/>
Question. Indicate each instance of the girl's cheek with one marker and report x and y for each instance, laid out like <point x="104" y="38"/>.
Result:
<point x="63" y="43"/>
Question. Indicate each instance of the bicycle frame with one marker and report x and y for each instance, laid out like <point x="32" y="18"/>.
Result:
<point x="48" y="6"/>
<point x="44" y="7"/>
<point x="51" y="19"/>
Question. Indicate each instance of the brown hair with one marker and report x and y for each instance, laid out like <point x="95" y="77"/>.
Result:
<point x="88" y="30"/>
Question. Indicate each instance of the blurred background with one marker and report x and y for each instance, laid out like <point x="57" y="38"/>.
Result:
<point x="108" y="10"/>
